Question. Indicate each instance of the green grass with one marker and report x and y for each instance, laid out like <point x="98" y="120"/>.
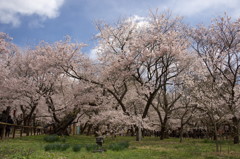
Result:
<point x="150" y="148"/>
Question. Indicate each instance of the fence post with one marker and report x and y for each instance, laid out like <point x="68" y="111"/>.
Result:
<point x="4" y="131"/>
<point x="14" y="130"/>
<point x="21" y="131"/>
<point x="31" y="128"/>
<point x="27" y="131"/>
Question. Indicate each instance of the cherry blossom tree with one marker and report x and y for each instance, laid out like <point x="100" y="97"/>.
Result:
<point x="218" y="47"/>
<point x="64" y="97"/>
<point x="7" y="52"/>
<point x="141" y="56"/>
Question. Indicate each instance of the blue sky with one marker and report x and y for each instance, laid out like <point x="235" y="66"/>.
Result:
<point x="31" y="21"/>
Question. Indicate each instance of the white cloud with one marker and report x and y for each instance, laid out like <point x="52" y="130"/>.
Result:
<point x="193" y="7"/>
<point x="93" y="54"/>
<point x="11" y="10"/>
<point x="138" y="20"/>
<point x="200" y="10"/>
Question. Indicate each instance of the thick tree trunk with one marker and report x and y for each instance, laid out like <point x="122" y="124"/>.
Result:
<point x="138" y="133"/>
<point x="61" y="130"/>
<point x="216" y="138"/>
<point x="163" y="129"/>
<point x="181" y="133"/>
<point x="83" y="128"/>
<point x="89" y="129"/>
<point x="61" y="127"/>
<point x="132" y="131"/>
<point x="162" y="132"/>
<point x="217" y="144"/>
<point x="235" y="130"/>
<point x="143" y="133"/>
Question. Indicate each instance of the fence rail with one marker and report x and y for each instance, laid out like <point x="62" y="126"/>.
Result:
<point x="14" y="129"/>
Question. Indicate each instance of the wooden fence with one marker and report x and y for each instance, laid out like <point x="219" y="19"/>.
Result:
<point x="19" y="130"/>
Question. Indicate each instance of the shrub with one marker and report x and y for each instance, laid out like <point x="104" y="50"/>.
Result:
<point x="77" y="148"/>
<point x="49" y="147"/>
<point x="91" y="147"/>
<point x="51" y="138"/>
<point x="63" y="140"/>
<point x="207" y="141"/>
<point x="124" y="144"/>
<point x="115" y="147"/>
<point x="118" y="146"/>
<point x="56" y="146"/>
<point x="64" y="147"/>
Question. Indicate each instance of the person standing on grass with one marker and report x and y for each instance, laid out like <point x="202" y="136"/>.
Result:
<point x="8" y="127"/>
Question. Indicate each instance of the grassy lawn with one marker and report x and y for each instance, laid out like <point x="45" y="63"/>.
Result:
<point x="150" y="148"/>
